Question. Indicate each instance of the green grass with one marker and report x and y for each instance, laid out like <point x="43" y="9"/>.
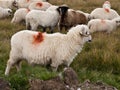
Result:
<point x="99" y="60"/>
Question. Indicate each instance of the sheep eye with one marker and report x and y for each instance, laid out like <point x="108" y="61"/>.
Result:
<point x="9" y="11"/>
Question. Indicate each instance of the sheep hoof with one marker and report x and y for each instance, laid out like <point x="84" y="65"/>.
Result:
<point x="54" y="69"/>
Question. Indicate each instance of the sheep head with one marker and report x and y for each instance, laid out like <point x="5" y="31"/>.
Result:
<point x="62" y="9"/>
<point x="15" y="4"/>
<point x="84" y="32"/>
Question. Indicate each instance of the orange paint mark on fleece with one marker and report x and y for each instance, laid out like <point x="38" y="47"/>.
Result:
<point x="102" y="21"/>
<point x="28" y="10"/>
<point x="27" y="0"/>
<point x="107" y="10"/>
<point x="38" y="38"/>
<point x="39" y="4"/>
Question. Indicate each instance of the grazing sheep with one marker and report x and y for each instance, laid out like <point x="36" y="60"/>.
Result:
<point x="8" y="4"/>
<point x="39" y="5"/>
<point x="48" y="18"/>
<point x="70" y="17"/>
<point x="42" y="48"/>
<point x="19" y="15"/>
<point x="103" y="25"/>
<point x="104" y="13"/>
<point x="26" y="3"/>
<point x="5" y="12"/>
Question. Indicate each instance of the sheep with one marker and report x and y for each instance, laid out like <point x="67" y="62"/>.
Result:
<point x="70" y="17"/>
<point x="86" y="14"/>
<point x="48" y="18"/>
<point x="19" y="15"/>
<point x="26" y="3"/>
<point x="5" y="12"/>
<point x="47" y="49"/>
<point x="39" y="5"/>
<point x="8" y="4"/>
<point x="104" y="13"/>
<point x="103" y="25"/>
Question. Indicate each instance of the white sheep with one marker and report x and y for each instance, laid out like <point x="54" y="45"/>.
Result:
<point x="103" y="25"/>
<point x="19" y="15"/>
<point x="48" y="18"/>
<point x="39" y="5"/>
<point x="8" y="4"/>
<point x="26" y="3"/>
<point x="5" y="12"/>
<point x="104" y="13"/>
<point x="42" y="48"/>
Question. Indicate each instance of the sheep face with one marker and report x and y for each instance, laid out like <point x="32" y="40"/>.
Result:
<point x="84" y="32"/>
<point x="15" y="4"/>
<point x="117" y="21"/>
<point x="63" y="9"/>
<point x="9" y="12"/>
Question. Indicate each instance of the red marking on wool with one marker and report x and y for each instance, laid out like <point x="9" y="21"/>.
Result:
<point x="107" y="10"/>
<point x="38" y="38"/>
<point x="39" y="4"/>
<point x="27" y="0"/>
<point x="28" y="9"/>
<point x="102" y="21"/>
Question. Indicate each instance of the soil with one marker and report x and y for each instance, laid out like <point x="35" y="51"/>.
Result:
<point x="67" y="80"/>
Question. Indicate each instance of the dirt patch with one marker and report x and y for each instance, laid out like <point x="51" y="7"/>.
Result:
<point x="68" y="82"/>
<point x="4" y="85"/>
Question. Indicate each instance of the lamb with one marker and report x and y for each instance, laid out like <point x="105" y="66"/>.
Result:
<point x="104" y="13"/>
<point x="103" y="25"/>
<point x="48" y="18"/>
<point x="47" y="49"/>
<point x="26" y="3"/>
<point x="19" y="15"/>
<point x="70" y="17"/>
<point x="8" y="4"/>
<point x="39" y="5"/>
<point x="5" y="12"/>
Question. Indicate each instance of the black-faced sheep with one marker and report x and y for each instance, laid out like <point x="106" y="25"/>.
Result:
<point x="70" y="17"/>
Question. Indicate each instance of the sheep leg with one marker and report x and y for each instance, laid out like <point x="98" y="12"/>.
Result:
<point x="28" y="26"/>
<point x="18" y="65"/>
<point x="34" y="26"/>
<point x="51" y="29"/>
<point x="60" y="28"/>
<point x="10" y="63"/>
<point x="54" y="67"/>
<point x="44" y="29"/>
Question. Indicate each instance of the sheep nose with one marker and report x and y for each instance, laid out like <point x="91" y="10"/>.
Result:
<point x="89" y="40"/>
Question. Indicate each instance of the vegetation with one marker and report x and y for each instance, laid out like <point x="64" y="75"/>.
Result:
<point x="99" y="60"/>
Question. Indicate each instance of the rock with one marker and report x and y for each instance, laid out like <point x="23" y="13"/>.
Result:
<point x="4" y="85"/>
<point x="52" y="84"/>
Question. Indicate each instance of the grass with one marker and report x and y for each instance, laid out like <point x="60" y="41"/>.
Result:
<point x="99" y="60"/>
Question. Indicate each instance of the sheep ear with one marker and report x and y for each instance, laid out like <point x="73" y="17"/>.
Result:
<point x="59" y="9"/>
<point x="82" y="31"/>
